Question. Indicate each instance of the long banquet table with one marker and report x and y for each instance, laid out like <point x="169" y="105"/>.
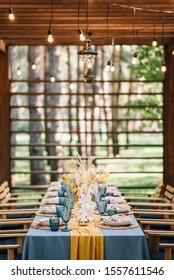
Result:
<point x="119" y="244"/>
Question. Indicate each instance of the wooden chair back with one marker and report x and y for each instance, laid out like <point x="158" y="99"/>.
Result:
<point x="168" y="194"/>
<point x="4" y="192"/>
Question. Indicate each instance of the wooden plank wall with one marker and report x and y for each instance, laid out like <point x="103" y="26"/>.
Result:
<point x="169" y="118"/>
<point x="4" y="119"/>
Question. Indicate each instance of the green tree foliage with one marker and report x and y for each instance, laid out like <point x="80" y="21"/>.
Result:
<point x="150" y="61"/>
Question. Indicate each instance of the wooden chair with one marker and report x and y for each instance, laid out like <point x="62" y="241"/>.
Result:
<point x="146" y="224"/>
<point x="25" y="222"/>
<point x="18" y="236"/>
<point x="164" y="193"/>
<point x="167" y="250"/>
<point x="154" y="238"/>
<point x="166" y="202"/>
<point x="155" y="192"/>
<point x="4" y="214"/>
<point x="7" y="196"/>
<point x="10" y="250"/>
<point x="7" y="201"/>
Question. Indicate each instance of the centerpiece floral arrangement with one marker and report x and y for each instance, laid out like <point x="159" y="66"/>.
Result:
<point x="85" y="180"/>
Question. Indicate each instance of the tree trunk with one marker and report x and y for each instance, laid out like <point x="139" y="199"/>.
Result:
<point x="33" y="100"/>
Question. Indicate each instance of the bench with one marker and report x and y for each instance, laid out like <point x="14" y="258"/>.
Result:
<point x="10" y="250"/>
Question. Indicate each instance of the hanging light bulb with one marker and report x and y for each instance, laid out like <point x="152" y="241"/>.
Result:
<point x="18" y="71"/>
<point x="52" y="79"/>
<point x="33" y="66"/>
<point x="134" y="58"/>
<point x="10" y="14"/>
<point x="112" y="68"/>
<point x="81" y="35"/>
<point x="50" y="38"/>
<point x="163" y="67"/>
<point x="107" y="68"/>
<point x="173" y="52"/>
<point x="154" y="42"/>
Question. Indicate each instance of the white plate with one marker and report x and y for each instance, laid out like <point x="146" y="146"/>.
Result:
<point x="116" y="223"/>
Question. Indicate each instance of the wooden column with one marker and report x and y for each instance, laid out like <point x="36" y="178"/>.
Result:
<point x="4" y="119"/>
<point x="169" y="118"/>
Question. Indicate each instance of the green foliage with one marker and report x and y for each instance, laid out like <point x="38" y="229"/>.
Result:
<point x="150" y="61"/>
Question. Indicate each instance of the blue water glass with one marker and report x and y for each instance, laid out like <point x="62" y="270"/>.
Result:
<point x="59" y="210"/>
<point x="62" y="200"/>
<point x="112" y="212"/>
<point x="66" y="216"/>
<point x="69" y="203"/>
<point x="60" y="193"/>
<point x="54" y="223"/>
<point x="102" y="190"/>
<point x="101" y="206"/>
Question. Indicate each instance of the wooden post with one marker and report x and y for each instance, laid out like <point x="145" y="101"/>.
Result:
<point x="4" y="119"/>
<point x="169" y="118"/>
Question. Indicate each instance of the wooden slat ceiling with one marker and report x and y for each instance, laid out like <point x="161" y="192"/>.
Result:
<point x="32" y="20"/>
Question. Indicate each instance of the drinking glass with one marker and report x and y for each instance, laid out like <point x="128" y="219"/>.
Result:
<point x="54" y="223"/>
<point x="66" y="216"/>
<point x="101" y="206"/>
<point x="59" y="210"/>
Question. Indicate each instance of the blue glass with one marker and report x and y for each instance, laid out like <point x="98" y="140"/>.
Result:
<point x="69" y="203"/>
<point x="60" y="193"/>
<point x="102" y="190"/>
<point x="112" y="212"/>
<point x="101" y="207"/>
<point x="54" y="223"/>
<point x="59" y="210"/>
<point x="66" y="216"/>
<point x="62" y="200"/>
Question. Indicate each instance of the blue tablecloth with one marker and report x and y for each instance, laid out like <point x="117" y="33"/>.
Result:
<point x="127" y="244"/>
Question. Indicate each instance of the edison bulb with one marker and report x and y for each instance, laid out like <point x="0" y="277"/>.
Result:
<point x="52" y="79"/>
<point x="154" y="43"/>
<point x="11" y="14"/>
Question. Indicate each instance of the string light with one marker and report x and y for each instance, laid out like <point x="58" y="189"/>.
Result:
<point x="134" y="59"/>
<point x="154" y="42"/>
<point x="52" y="79"/>
<point x="80" y="32"/>
<point x="10" y="12"/>
<point x="19" y="72"/>
<point x="163" y="67"/>
<point x="110" y="64"/>
<point x="33" y="66"/>
<point x="50" y="38"/>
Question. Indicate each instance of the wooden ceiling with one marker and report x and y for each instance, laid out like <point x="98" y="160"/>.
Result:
<point x="32" y="19"/>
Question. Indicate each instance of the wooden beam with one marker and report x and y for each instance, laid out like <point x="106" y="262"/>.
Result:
<point x="4" y="119"/>
<point x="169" y="120"/>
<point x="2" y="46"/>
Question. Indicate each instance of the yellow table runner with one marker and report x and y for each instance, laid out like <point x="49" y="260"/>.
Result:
<point x="87" y="242"/>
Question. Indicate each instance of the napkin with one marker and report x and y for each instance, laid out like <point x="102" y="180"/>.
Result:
<point x="48" y="209"/>
<point x="51" y="193"/>
<point x="51" y="200"/>
<point x="119" y="199"/>
<point x="54" y="188"/>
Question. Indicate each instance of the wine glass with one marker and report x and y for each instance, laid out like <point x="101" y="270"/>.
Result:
<point x="59" y="210"/>
<point x="101" y="206"/>
<point x="102" y="190"/>
<point x="66" y="216"/>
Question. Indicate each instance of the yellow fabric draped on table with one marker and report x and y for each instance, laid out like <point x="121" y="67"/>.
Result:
<point x="87" y="242"/>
